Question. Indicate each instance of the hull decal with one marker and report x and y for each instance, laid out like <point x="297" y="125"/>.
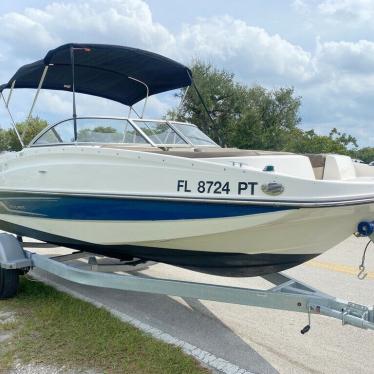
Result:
<point x="284" y="203"/>
<point x="120" y="209"/>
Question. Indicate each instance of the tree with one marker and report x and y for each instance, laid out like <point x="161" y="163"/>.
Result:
<point x="267" y="119"/>
<point x="255" y="117"/>
<point x="222" y="96"/>
<point x="310" y="142"/>
<point x="365" y="154"/>
<point x="28" y="129"/>
<point x="263" y="116"/>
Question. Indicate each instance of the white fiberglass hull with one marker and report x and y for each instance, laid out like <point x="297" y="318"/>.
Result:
<point x="249" y="234"/>
<point x="294" y="231"/>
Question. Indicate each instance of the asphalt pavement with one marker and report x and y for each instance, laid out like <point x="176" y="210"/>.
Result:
<point x="252" y="339"/>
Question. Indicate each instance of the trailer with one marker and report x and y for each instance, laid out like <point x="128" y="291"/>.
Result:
<point x="286" y="294"/>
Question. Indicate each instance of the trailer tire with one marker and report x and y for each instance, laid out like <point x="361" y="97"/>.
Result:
<point x="9" y="281"/>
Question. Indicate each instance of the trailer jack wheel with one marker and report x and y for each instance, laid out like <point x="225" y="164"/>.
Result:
<point x="9" y="281"/>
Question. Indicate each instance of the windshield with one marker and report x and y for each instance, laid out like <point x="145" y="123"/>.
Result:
<point x="160" y="133"/>
<point x="101" y="130"/>
<point x="92" y="130"/>
<point x="193" y="133"/>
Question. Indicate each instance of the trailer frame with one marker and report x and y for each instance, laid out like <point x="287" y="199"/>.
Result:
<point x="287" y="294"/>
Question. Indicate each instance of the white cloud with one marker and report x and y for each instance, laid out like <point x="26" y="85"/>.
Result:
<point x="251" y="51"/>
<point x="336" y="79"/>
<point x="348" y="10"/>
<point x="129" y="22"/>
<point x="348" y="57"/>
<point x="301" y="6"/>
<point x="24" y="35"/>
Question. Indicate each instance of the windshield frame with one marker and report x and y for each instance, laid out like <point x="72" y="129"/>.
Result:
<point x="167" y="122"/>
<point x="33" y="142"/>
<point x="171" y="123"/>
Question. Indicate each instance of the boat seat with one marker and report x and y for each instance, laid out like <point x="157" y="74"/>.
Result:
<point x="339" y="167"/>
<point x="318" y="162"/>
<point x="332" y="167"/>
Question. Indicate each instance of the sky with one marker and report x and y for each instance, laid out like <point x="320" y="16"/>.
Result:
<point x="322" y="48"/>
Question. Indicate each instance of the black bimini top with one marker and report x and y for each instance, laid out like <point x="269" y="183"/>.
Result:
<point x="104" y="71"/>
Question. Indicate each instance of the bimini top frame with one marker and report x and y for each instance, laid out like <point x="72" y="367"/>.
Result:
<point x="123" y="74"/>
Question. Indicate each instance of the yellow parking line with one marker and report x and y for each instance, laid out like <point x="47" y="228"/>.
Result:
<point x="353" y="270"/>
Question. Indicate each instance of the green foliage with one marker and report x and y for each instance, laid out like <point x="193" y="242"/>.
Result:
<point x="244" y="117"/>
<point x="55" y="329"/>
<point x="267" y="119"/>
<point x="365" y="154"/>
<point x="104" y="129"/>
<point x="309" y="142"/>
<point x="254" y="117"/>
<point x="222" y="96"/>
<point x="28" y="129"/>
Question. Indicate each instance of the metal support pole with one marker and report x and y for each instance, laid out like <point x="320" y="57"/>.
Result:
<point x="38" y="91"/>
<point x="35" y="98"/>
<point x="201" y="100"/>
<point x="10" y="93"/>
<point x="133" y="109"/>
<point x="72" y="62"/>
<point x="182" y="101"/>
<point x="73" y="89"/>
<point x="204" y="105"/>
<point x="13" y="122"/>
<point x="146" y="98"/>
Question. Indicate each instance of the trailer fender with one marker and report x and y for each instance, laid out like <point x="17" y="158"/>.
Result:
<point x="12" y="255"/>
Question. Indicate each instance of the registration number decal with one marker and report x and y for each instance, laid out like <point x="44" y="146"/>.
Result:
<point x="216" y="187"/>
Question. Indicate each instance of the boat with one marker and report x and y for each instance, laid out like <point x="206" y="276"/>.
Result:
<point x="162" y="190"/>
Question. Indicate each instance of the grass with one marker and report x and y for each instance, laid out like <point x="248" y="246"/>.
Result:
<point x="53" y="328"/>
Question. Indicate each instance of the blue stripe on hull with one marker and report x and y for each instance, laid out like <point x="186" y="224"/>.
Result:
<point x="121" y="209"/>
